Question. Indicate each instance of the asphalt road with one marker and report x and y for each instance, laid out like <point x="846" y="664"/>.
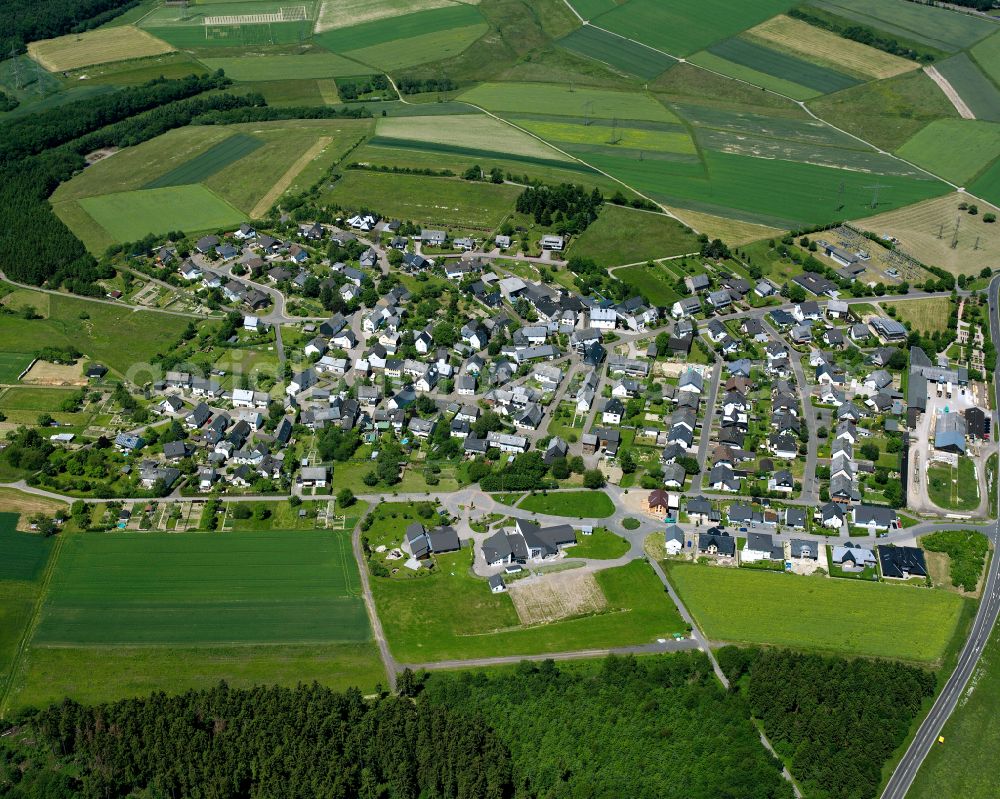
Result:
<point x="986" y="617"/>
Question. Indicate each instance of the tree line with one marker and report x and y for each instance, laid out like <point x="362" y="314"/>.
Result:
<point x="834" y="721"/>
<point x="862" y="34"/>
<point x="265" y="741"/>
<point x="44" y="19"/>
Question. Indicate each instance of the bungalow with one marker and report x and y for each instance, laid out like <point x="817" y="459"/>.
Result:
<point x="553" y="243"/>
<point x="507" y="443"/>
<point x="901" y="563"/>
<point x="315" y="476"/>
<point x="435" y="238"/>
<point x="853" y="557"/>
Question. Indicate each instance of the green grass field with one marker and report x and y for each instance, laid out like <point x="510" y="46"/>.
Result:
<point x="24" y="554"/>
<point x="193" y="588"/>
<point x="24" y="398"/>
<point x="753" y="76"/>
<point x="797" y="193"/>
<point x="822" y="80"/>
<point x="231" y="38"/>
<point x="652" y="282"/>
<point x="942" y="29"/>
<point x="135" y="71"/>
<point x="283" y="67"/>
<point x="575" y="504"/>
<point x="988" y="184"/>
<point x="206" y="164"/>
<point x="924" y="315"/>
<point x="117" y="337"/>
<point x="979" y="92"/>
<point x="624" y="236"/>
<point x="987" y="55"/>
<point x="886" y="112"/>
<point x="453" y="615"/>
<point x="131" y="215"/>
<point x="840" y="616"/>
<point x="600" y="45"/>
<point x="414" y="50"/>
<point x="12" y="364"/>
<point x="964" y="764"/>
<point x="957" y="149"/>
<point x="547" y="98"/>
<point x="953" y="489"/>
<point x="451" y="202"/>
<point x="686" y="26"/>
<point x="651" y="137"/>
<point x="384" y="31"/>
<point x="602" y="544"/>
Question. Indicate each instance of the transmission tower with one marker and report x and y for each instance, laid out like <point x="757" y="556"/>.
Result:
<point x="15" y="64"/>
<point x="615" y="137"/>
<point x="875" y="187"/>
<point x="976" y="245"/>
<point x="940" y="234"/>
<point x="588" y="108"/>
<point x="954" y="238"/>
<point x="840" y="196"/>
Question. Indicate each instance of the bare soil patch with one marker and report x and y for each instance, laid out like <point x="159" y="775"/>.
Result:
<point x="44" y="373"/>
<point x="557" y="596"/>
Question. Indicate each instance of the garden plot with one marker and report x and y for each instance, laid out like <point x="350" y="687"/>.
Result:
<point x="556" y="596"/>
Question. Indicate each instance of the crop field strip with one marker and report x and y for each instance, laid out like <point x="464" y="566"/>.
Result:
<point x="956" y="149"/>
<point x="978" y="91"/>
<point x="194" y="588"/>
<point x="601" y="45"/>
<point x="431" y="147"/>
<point x="24" y="554"/>
<point x="419" y="49"/>
<point x="829" y="49"/>
<point x="554" y="99"/>
<point x="730" y="69"/>
<point x="683" y="27"/>
<point x="783" y="66"/>
<point x="214" y="159"/>
<point x="987" y="55"/>
<point x="349" y="13"/>
<point x="283" y="67"/>
<point x="96" y="47"/>
<point x="987" y="185"/>
<point x="669" y="139"/>
<point x="186" y="28"/>
<point x="131" y="215"/>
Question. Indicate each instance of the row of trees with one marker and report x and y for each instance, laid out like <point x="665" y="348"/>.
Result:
<point x="411" y="85"/>
<point x="266" y="741"/>
<point x="862" y="34"/>
<point x="835" y="721"/>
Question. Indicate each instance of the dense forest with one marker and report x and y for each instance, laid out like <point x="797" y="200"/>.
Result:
<point x="655" y="727"/>
<point x="569" y="207"/>
<point x="835" y="721"/>
<point x="275" y="742"/>
<point x="42" y="19"/>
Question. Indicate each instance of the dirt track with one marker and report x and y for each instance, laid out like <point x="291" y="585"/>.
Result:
<point x="285" y="181"/>
<point x="956" y="100"/>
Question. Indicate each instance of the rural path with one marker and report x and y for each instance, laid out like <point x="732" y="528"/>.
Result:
<point x="388" y="661"/>
<point x="265" y="203"/>
<point x="950" y="92"/>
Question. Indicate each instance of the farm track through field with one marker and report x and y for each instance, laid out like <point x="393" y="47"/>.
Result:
<point x="956" y="100"/>
<point x="29" y="630"/>
<point x="285" y="180"/>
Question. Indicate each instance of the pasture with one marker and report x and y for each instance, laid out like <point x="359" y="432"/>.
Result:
<point x="549" y="98"/>
<point x="956" y="149"/>
<point x="625" y="236"/>
<point x="470" y="131"/>
<point x="283" y="67"/>
<point x="654" y="283"/>
<point x="820" y="79"/>
<point x="686" y="26"/>
<point x="942" y="29"/>
<point x="451" y="615"/>
<point x="98" y="46"/>
<point x="978" y="91"/>
<point x="829" y="49"/>
<point x="575" y="504"/>
<point x="131" y="215"/>
<point x="12" y="364"/>
<point x="847" y="617"/>
<point x="593" y="42"/>
<point x="207" y="163"/>
<point x="924" y="315"/>
<point x="797" y="193"/>
<point x="117" y="337"/>
<point x="124" y="589"/>
<point x="448" y="202"/>
<point x="413" y="50"/>
<point x="926" y="230"/>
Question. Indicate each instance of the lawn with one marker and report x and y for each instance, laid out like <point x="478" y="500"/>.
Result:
<point x="798" y="193"/>
<point x="828" y="48"/>
<point x="978" y="91"/>
<point x="602" y="544"/>
<point x="117" y="337"/>
<point x="576" y="504"/>
<point x="452" y="615"/>
<point x="447" y="202"/>
<point x="96" y="47"/>
<point x="573" y="101"/>
<point x="207" y="163"/>
<point x="926" y="230"/>
<point x="593" y="42"/>
<point x="654" y="283"/>
<point x="469" y="131"/>
<point x="839" y="616"/>
<point x="131" y="215"/>
<point x="12" y="364"/>
<point x="196" y="588"/>
<point x="954" y="489"/>
<point x="926" y="316"/>
<point x="625" y="236"/>
<point x="965" y="764"/>
<point x="685" y="26"/>
<point x="23" y="398"/>
<point x="283" y="67"/>
<point x="957" y="149"/>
